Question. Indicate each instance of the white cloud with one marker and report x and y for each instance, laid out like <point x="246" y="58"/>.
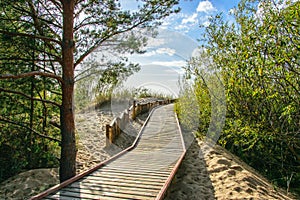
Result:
<point x="155" y="42"/>
<point x="177" y="70"/>
<point x="165" y="24"/>
<point x="182" y="27"/>
<point x="171" y="20"/>
<point x="204" y="20"/>
<point x="174" y="63"/>
<point x="187" y="23"/>
<point x="205" y="6"/>
<point x="168" y="51"/>
<point x="148" y="54"/>
<point x="160" y="51"/>
<point x="190" y="19"/>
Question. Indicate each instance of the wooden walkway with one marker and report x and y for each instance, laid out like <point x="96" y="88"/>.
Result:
<point x="143" y="171"/>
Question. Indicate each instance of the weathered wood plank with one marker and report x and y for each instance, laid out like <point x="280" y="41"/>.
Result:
<point x="88" y="194"/>
<point x="146" y="177"/>
<point x="123" y="183"/>
<point x="113" y="187"/>
<point x="102" y="191"/>
<point x="65" y="195"/>
<point x="133" y="171"/>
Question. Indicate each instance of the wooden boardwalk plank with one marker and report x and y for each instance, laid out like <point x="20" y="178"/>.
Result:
<point x="134" y="171"/>
<point x="122" y="181"/>
<point x="129" y="176"/>
<point x="118" y="191"/>
<point x="111" y="185"/>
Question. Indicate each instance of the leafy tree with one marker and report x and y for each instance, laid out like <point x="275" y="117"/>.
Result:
<point x="257" y="57"/>
<point x="69" y="31"/>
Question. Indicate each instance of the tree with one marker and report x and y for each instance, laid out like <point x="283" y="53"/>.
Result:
<point x="25" y="109"/>
<point x="258" y="58"/>
<point x="70" y="31"/>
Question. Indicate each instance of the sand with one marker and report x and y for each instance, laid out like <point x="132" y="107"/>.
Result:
<point x="218" y="174"/>
<point x="214" y="175"/>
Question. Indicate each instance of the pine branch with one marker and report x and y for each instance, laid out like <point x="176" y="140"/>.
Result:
<point x="25" y="126"/>
<point x="29" y="74"/>
<point x="29" y="97"/>
<point x="28" y="59"/>
<point x="97" y="44"/>
<point x="57" y="4"/>
<point x="38" y="25"/>
<point x="30" y="36"/>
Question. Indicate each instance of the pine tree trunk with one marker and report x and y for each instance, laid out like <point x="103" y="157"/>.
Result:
<point x="68" y="144"/>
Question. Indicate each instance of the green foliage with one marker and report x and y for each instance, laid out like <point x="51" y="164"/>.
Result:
<point x="20" y="121"/>
<point x="23" y="121"/>
<point x="188" y="108"/>
<point x="204" y="100"/>
<point x="143" y="92"/>
<point x="257" y="58"/>
<point x="21" y="147"/>
<point x="123" y="93"/>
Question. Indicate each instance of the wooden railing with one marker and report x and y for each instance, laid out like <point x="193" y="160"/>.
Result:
<point x="114" y="129"/>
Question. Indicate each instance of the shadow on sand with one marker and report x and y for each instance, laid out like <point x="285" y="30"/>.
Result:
<point x="192" y="180"/>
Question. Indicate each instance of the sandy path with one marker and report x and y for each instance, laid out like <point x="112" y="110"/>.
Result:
<point x="90" y="128"/>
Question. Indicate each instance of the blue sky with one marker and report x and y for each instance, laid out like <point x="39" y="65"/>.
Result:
<point x="196" y="12"/>
<point x="176" y="43"/>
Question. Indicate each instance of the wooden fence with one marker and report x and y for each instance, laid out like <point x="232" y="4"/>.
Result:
<point x="114" y="129"/>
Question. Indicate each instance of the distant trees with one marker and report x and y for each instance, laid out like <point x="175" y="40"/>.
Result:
<point x="42" y="43"/>
<point x="257" y="57"/>
<point x="100" y="74"/>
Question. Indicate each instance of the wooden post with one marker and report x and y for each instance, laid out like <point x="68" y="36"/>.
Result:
<point x="108" y="130"/>
<point x="112" y="133"/>
<point x="138" y="108"/>
<point x="133" y="110"/>
<point x="118" y="127"/>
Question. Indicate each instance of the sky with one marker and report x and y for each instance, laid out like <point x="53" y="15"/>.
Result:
<point x="167" y="54"/>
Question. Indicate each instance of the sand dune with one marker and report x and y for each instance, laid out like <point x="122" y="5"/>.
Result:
<point x="217" y="174"/>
